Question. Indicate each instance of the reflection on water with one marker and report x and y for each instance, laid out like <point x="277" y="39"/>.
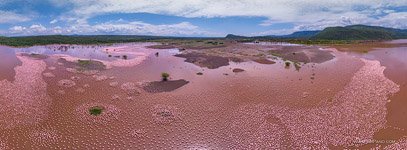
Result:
<point x="8" y="61"/>
<point x="80" y="51"/>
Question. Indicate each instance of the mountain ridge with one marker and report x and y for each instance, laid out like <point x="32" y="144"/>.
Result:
<point x="352" y="32"/>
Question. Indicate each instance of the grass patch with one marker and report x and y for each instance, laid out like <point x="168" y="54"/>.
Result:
<point x="96" y="110"/>
<point x="89" y="65"/>
<point x="275" y="54"/>
<point x="84" y="63"/>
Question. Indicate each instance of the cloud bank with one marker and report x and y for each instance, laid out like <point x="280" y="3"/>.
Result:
<point x="302" y="14"/>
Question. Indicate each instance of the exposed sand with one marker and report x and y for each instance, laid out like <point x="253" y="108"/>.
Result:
<point x="304" y="54"/>
<point x="25" y="100"/>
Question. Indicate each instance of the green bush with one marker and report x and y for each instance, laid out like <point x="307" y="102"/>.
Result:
<point x="96" y="110"/>
<point x="165" y="76"/>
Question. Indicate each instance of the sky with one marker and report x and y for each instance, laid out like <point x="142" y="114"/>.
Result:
<point x="193" y="18"/>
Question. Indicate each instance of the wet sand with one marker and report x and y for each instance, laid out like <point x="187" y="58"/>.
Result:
<point x="327" y="103"/>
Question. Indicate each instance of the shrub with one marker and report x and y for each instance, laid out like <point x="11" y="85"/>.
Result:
<point x="287" y="64"/>
<point x="84" y="63"/>
<point x="96" y="110"/>
<point x="165" y="76"/>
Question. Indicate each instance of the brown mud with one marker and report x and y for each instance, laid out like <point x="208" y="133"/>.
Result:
<point x="164" y="86"/>
<point x="203" y="60"/>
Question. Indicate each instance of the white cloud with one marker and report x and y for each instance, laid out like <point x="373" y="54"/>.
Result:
<point x="276" y="10"/>
<point x="53" y="21"/>
<point x="393" y="20"/>
<point x="17" y="29"/>
<point x="138" y="27"/>
<point x="11" y="17"/>
<point x="33" y="29"/>
<point x="303" y="14"/>
<point x="115" y="27"/>
<point x="37" y="28"/>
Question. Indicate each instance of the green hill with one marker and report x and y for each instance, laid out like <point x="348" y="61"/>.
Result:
<point x="232" y="36"/>
<point x="360" y="32"/>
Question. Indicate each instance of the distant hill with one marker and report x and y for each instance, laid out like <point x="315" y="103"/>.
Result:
<point x="301" y="34"/>
<point x="232" y="36"/>
<point x="340" y="34"/>
<point x="353" y="32"/>
<point x="360" y="32"/>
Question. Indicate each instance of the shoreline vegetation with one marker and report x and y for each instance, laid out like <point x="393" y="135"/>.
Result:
<point x="331" y="35"/>
<point x="28" y="41"/>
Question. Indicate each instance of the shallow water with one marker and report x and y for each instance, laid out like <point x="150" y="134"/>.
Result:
<point x="274" y="43"/>
<point x="260" y="108"/>
<point x="8" y="61"/>
<point x="100" y="52"/>
<point x="395" y="60"/>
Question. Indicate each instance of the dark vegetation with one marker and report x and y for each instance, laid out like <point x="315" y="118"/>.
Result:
<point x="36" y="56"/>
<point x="330" y="35"/>
<point x="85" y="39"/>
<point x="287" y="64"/>
<point x="165" y="76"/>
<point x="83" y="64"/>
<point x="203" y="60"/>
<point x="168" y="86"/>
<point x="97" y="110"/>
<point x="360" y="32"/>
<point x="90" y="65"/>
<point x="237" y="70"/>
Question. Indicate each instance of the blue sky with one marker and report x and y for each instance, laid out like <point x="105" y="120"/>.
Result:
<point x="193" y="17"/>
